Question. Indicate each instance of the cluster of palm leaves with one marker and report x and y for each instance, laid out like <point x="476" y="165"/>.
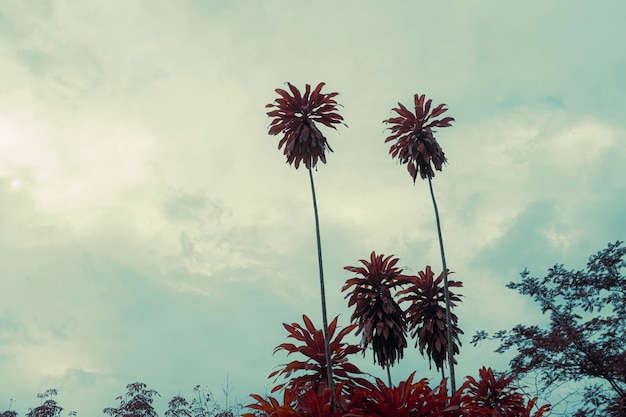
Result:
<point x="426" y="314"/>
<point x="382" y="321"/>
<point x="345" y="374"/>
<point x="295" y="116"/>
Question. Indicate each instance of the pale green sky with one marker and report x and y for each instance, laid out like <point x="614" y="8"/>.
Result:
<point x="151" y="231"/>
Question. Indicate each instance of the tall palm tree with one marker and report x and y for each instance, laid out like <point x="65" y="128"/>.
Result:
<point x="415" y="145"/>
<point x="295" y="116"/>
<point x="379" y="317"/>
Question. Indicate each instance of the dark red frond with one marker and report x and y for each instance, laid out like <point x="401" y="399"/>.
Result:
<point x="426" y="314"/>
<point x="379" y="318"/>
<point x="311" y="374"/>
<point x="272" y="407"/>
<point x="495" y="395"/>
<point x="413" y="140"/>
<point x="295" y="116"/>
<point x="407" y="399"/>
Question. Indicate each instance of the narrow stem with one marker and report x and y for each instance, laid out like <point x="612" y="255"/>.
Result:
<point x="331" y="383"/>
<point x="446" y="292"/>
<point x="389" y="375"/>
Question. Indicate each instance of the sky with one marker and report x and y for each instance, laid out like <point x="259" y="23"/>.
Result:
<point x="150" y="229"/>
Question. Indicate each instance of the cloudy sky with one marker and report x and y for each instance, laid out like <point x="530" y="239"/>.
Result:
<point x="151" y="231"/>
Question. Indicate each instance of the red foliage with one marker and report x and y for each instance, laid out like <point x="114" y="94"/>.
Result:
<point x="272" y="407"/>
<point x="414" y="143"/>
<point x="306" y="404"/>
<point x="295" y="116"/>
<point x="408" y="399"/>
<point x="495" y="397"/>
<point x="426" y="314"/>
<point x="313" y="405"/>
<point x="379" y="317"/>
<point x="489" y="396"/>
<point x="315" y="376"/>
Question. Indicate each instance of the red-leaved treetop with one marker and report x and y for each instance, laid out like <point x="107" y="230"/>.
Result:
<point x="426" y="314"/>
<point x="310" y="374"/>
<point x="295" y="116"/>
<point x="496" y="396"/>
<point x="412" y="136"/>
<point x="380" y="319"/>
<point x="408" y="399"/>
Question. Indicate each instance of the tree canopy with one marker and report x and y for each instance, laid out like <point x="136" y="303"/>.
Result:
<point x="585" y="339"/>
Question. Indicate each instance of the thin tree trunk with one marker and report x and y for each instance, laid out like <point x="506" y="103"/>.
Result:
<point x="445" y="292"/>
<point x="331" y="383"/>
